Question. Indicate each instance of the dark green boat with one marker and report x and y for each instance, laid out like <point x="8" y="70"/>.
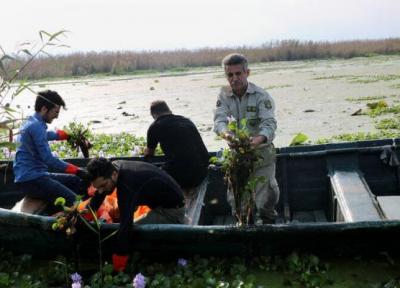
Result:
<point x="334" y="197"/>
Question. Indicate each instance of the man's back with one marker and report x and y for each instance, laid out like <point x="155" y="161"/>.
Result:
<point x="182" y="144"/>
<point x="179" y="139"/>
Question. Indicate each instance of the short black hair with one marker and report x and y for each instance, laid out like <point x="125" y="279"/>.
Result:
<point x="234" y="59"/>
<point x="48" y="99"/>
<point x="159" y="107"/>
<point x="100" y="167"/>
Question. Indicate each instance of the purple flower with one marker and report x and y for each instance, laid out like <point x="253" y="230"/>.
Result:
<point x="139" y="281"/>
<point x="182" y="262"/>
<point x="76" y="278"/>
<point x="76" y="285"/>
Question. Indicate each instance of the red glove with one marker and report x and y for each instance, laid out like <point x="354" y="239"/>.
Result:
<point x="71" y="169"/>
<point x="119" y="262"/>
<point x="62" y="135"/>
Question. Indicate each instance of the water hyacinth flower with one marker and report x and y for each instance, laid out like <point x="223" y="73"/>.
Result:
<point x="76" y="278"/>
<point x="135" y="151"/>
<point x="231" y="119"/>
<point x="76" y="285"/>
<point x="182" y="262"/>
<point x="139" y="281"/>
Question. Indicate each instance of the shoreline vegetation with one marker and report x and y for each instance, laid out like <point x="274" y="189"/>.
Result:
<point x="144" y="62"/>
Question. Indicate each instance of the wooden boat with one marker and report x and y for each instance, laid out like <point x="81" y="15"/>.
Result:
<point x="334" y="197"/>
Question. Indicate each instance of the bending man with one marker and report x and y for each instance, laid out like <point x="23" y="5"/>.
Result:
<point x="138" y="183"/>
<point x="187" y="156"/>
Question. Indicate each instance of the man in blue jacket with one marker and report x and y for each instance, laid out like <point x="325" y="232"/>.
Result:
<point x="33" y="157"/>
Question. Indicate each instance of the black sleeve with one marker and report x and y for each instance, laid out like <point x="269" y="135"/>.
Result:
<point x="96" y="201"/>
<point x="152" y="137"/>
<point x="127" y="206"/>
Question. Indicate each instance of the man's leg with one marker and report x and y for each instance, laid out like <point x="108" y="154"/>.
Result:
<point x="48" y="189"/>
<point x="267" y="194"/>
<point x="73" y="182"/>
<point x="163" y="216"/>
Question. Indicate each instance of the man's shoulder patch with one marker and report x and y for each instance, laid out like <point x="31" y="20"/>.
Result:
<point x="267" y="104"/>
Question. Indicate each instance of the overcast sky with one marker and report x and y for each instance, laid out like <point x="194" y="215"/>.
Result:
<point x="172" y="24"/>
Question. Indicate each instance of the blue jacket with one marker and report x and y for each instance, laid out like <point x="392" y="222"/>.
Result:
<point x="34" y="157"/>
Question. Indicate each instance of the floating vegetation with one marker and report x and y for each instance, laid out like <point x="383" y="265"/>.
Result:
<point x="388" y="123"/>
<point x="334" y="77"/>
<point x="277" y="86"/>
<point x="359" y="136"/>
<point x="365" y="98"/>
<point x="374" y="78"/>
<point x="395" y="86"/>
<point x="376" y="109"/>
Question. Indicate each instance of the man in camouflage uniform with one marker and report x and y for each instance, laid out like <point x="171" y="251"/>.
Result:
<point x="242" y="99"/>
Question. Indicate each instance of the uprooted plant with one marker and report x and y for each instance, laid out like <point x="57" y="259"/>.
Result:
<point x="78" y="137"/>
<point x="238" y="163"/>
<point x="68" y="218"/>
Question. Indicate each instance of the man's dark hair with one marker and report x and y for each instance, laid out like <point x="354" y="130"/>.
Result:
<point x="100" y="167"/>
<point x="159" y="107"/>
<point x="234" y="59"/>
<point x="48" y="99"/>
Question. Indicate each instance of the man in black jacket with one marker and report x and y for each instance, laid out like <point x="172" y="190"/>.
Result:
<point x="187" y="156"/>
<point x="138" y="183"/>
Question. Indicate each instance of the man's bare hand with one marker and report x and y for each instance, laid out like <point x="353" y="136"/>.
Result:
<point x="257" y="140"/>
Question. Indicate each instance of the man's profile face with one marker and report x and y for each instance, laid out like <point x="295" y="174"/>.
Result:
<point x="51" y="114"/>
<point x="237" y="77"/>
<point x="104" y="185"/>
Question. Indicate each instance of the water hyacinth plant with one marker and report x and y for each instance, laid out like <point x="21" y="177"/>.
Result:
<point x="78" y="135"/>
<point x="139" y="281"/>
<point x="238" y="163"/>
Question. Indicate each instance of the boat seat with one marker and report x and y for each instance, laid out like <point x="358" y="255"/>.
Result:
<point x="390" y="206"/>
<point x="354" y="199"/>
<point x="194" y="202"/>
<point x="30" y="205"/>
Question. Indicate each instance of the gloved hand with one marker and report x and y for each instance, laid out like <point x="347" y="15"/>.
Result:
<point x="119" y="262"/>
<point x="62" y="135"/>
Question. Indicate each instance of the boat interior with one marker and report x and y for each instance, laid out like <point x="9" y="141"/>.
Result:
<point x="344" y="182"/>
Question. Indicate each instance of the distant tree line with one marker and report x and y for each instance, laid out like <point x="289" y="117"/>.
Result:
<point x="127" y="62"/>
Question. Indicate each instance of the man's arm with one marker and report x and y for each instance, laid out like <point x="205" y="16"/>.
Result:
<point x="149" y="152"/>
<point x="39" y="137"/>
<point x="221" y="116"/>
<point x="152" y="141"/>
<point x="266" y="112"/>
<point x="58" y="135"/>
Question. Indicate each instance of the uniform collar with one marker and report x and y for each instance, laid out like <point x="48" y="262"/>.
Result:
<point x="250" y="90"/>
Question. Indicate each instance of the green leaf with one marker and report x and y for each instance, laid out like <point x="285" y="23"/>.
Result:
<point x="299" y="139"/>
<point x="232" y="126"/>
<point x="109" y="236"/>
<point x="213" y="160"/>
<point x="55" y="35"/>
<point x="26" y="51"/>
<point x="60" y="201"/>
<point x="243" y="122"/>
<point x="41" y="32"/>
<point x="8" y="145"/>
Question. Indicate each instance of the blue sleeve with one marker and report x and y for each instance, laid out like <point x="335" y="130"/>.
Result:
<point x="39" y="137"/>
<point x="52" y="135"/>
